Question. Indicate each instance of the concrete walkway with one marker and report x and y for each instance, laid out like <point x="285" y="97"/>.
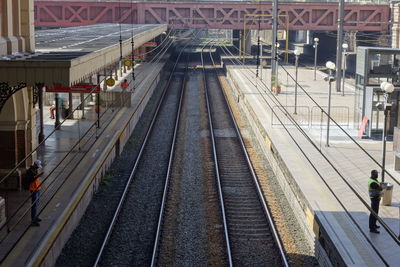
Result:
<point x="312" y="172"/>
<point x="61" y="157"/>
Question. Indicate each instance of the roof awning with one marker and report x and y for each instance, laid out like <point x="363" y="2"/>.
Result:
<point x="68" y="56"/>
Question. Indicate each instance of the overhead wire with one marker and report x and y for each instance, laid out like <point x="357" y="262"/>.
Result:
<point x="72" y="149"/>
<point x="317" y="170"/>
<point x="339" y="126"/>
<point x="263" y="201"/>
<point x="120" y="33"/>
<point x="287" y="114"/>
<point x="132" y="48"/>
<point x="258" y="41"/>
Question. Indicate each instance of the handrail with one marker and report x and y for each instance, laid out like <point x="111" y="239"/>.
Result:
<point x="55" y="129"/>
<point x="275" y="100"/>
<point x="165" y="49"/>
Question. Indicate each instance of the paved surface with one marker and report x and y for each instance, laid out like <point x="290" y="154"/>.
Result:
<point x="353" y="164"/>
<point x="59" y="162"/>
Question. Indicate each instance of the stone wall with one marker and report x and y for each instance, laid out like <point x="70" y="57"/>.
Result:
<point x="16" y="26"/>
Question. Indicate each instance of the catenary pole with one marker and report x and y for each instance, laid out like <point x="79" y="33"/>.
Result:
<point x="273" y="43"/>
<point x="339" y="52"/>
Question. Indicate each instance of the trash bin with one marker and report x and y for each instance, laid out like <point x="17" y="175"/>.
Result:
<point x="387" y="193"/>
<point x="65" y="113"/>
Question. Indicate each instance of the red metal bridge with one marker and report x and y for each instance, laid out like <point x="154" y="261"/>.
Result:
<point x="216" y="15"/>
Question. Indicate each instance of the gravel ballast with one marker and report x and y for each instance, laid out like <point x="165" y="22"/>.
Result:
<point x="132" y="239"/>
<point x="192" y="233"/>
<point x="187" y="230"/>
<point x="295" y="244"/>
<point x="251" y="239"/>
<point x="84" y="244"/>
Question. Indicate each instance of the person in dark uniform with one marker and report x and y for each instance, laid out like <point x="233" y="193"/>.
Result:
<point x="374" y="191"/>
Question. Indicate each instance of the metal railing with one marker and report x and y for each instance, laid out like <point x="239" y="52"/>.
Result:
<point x="302" y="116"/>
<point x="341" y="114"/>
<point x="81" y="133"/>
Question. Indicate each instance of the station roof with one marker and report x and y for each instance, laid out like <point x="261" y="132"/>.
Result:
<point x="70" y="55"/>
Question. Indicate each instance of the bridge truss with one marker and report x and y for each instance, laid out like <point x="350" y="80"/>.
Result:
<point x="218" y="15"/>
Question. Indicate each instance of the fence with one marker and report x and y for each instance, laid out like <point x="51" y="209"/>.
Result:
<point x="64" y="147"/>
<point x="302" y="117"/>
<point x="315" y="118"/>
<point x="341" y="114"/>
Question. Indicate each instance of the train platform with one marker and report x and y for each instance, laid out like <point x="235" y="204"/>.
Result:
<point x="74" y="158"/>
<point x="322" y="181"/>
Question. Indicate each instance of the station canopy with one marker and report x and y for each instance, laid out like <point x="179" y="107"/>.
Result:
<point x="68" y="56"/>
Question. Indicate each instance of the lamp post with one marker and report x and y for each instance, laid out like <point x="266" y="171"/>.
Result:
<point x="387" y="88"/>
<point x="331" y="66"/>
<point x="276" y="82"/>
<point x="277" y="63"/>
<point x="57" y="110"/>
<point x="261" y="54"/>
<point x="296" y="54"/>
<point x="345" y="47"/>
<point x="316" y="40"/>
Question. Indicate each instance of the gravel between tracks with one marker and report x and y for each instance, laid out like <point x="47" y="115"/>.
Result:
<point x="186" y="229"/>
<point x="132" y="239"/>
<point x="84" y="244"/>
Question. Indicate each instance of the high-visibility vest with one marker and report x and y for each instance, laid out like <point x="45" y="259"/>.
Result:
<point x="35" y="185"/>
<point x="124" y="85"/>
<point x="373" y="192"/>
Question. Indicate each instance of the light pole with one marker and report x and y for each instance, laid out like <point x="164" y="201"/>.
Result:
<point x="387" y="88"/>
<point x="277" y="64"/>
<point x="261" y="54"/>
<point x="316" y="40"/>
<point x="296" y="54"/>
<point x="344" y="46"/>
<point x="331" y="66"/>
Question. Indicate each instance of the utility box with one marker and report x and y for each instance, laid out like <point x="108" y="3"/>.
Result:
<point x="387" y="194"/>
<point x="396" y="148"/>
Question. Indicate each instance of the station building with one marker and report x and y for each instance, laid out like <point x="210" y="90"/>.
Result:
<point x="17" y="101"/>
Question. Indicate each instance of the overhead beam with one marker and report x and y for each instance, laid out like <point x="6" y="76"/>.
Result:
<point x="216" y="15"/>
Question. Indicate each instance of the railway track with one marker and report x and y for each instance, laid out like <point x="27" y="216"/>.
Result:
<point x="188" y="227"/>
<point x="135" y="235"/>
<point x="130" y="236"/>
<point x="250" y="234"/>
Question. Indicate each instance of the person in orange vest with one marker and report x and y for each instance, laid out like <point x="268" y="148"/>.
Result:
<point x="124" y="84"/>
<point x="34" y="187"/>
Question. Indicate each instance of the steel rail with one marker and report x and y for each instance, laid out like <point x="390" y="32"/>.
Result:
<point x="341" y="128"/>
<point x="255" y="179"/>
<point x="281" y="107"/>
<point x="23" y="203"/>
<point x="163" y="51"/>
<point x="221" y="197"/>
<point x="123" y="196"/>
<point x="167" y="177"/>
<point x="287" y="114"/>
<point x="68" y="117"/>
